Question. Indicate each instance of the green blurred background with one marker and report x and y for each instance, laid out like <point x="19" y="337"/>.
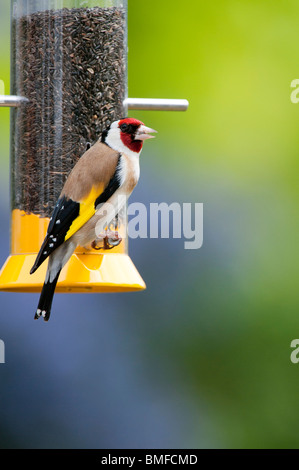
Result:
<point x="209" y="340"/>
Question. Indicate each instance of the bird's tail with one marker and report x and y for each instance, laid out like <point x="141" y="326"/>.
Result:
<point x="46" y="298"/>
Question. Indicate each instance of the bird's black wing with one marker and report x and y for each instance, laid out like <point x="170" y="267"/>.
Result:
<point x="65" y="212"/>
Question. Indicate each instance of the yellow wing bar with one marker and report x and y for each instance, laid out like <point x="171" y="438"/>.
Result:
<point x="86" y="211"/>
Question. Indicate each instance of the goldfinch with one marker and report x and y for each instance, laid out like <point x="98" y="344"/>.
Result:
<point x="102" y="179"/>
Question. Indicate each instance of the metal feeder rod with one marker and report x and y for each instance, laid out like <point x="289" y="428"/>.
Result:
<point x="11" y="101"/>
<point x="153" y="104"/>
<point x="146" y="104"/>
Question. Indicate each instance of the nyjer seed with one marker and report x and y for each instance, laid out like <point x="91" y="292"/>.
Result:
<point x="71" y="65"/>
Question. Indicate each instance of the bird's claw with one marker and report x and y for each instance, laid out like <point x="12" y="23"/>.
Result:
<point x="94" y="246"/>
<point x="110" y="240"/>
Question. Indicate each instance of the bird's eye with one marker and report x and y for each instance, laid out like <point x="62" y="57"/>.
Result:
<point x="124" y="127"/>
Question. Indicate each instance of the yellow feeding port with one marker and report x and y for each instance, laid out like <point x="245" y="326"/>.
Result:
<point x="86" y="271"/>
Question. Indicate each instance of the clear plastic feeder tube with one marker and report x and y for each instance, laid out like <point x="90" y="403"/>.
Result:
<point x="69" y="62"/>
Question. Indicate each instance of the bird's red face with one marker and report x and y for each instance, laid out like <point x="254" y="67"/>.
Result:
<point x="133" y="133"/>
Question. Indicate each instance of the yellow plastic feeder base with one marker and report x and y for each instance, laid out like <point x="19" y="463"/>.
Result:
<point x="83" y="273"/>
<point x="86" y="271"/>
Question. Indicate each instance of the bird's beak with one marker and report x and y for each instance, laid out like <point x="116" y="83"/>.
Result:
<point x="144" y="132"/>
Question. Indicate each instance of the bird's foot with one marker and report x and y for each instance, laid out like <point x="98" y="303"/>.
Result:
<point x="110" y="240"/>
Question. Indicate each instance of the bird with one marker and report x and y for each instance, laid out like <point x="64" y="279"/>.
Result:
<point x="92" y="195"/>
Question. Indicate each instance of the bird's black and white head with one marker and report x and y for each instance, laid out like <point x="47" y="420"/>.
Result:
<point x="127" y="136"/>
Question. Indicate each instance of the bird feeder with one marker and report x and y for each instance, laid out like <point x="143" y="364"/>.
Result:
<point x="68" y="83"/>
